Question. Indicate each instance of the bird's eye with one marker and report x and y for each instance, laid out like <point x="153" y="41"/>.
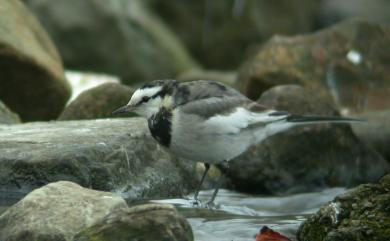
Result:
<point x="145" y="99"/>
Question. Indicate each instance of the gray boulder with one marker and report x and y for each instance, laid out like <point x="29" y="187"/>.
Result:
<point x="32" y="81"/>
<point x="109" y="154"/>
<point x="56" y="212"/>
<point x="360" y="214"/>
<point x="308" y="157"/>
<point x="7" y="116"/>
<point x="149" y="222"/>
<point x="98" y="102"/>
<point x="118" y="37"/>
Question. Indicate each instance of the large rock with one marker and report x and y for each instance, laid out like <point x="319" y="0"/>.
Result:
<point x="7" y="116"/>
<point x="98" y="102"/>
<point x="308" y="157"/>
<point x="56" y="212"/>
<point x="360" y="214"/>
<point x="350" y="60"/>
<point x="218" y="33"/>
<point x="148" y="222"/>
<point x="109" y="154"/>
<point x="118" y="37"/>
<point x="32" y="81"/>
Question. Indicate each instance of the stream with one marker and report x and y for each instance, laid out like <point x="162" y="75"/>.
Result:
<point x="238" y="217"/>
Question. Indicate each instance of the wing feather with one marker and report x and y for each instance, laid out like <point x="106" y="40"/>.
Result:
<point x="229" y="114"/>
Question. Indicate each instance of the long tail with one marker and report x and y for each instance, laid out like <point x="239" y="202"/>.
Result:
<point x="318" y="119"/>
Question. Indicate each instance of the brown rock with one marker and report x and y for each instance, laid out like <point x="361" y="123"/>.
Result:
<point x="350" y="60"/>
<point x="32" y="81"/>
<point x="98" y="102"/>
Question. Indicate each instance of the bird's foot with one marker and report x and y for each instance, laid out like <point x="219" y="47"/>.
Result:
<point x="196" y="203"/>
<point x="210" y="205"/>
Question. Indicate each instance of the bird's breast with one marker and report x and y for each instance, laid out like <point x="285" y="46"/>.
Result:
<point x="160" y="127"/>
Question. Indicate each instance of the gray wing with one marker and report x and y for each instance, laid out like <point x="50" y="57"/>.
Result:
<point x="188" y="92"/>
<point x="212" y="106"/>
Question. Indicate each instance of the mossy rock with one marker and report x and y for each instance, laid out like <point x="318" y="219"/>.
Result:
<point x="360" y="214"/>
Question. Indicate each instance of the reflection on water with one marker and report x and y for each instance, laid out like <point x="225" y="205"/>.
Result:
<point x="238" y="217"/>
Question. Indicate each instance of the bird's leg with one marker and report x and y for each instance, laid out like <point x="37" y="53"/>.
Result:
<point x="219" y="184"/>
<point x="207" y="167"/>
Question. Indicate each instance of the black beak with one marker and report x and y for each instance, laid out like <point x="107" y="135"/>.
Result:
<point x="123" y="109"/>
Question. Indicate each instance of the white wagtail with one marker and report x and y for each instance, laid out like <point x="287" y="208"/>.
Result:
<point x="208" y="121"/>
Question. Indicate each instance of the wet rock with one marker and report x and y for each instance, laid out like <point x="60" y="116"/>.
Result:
<point x="98" y="102"/>
<point x="307" y="157"/>
<point x="376" y="131"/>
<point x="7" y="116"/>
<point x="32" y="81"/>
<point x="209" y="28"/>
<point x="360" y="214"/>
<point x="350" y="60"/>
<point x="108" y="154"/>
<point x="149" y="222"/>
<point x="57" y="211"/>
<point x="121" y="38"/>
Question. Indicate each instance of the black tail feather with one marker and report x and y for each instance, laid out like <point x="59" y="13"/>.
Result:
<point x="313" y="118"/>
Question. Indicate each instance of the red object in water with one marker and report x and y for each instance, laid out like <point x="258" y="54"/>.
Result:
<point x="267" y="234"/>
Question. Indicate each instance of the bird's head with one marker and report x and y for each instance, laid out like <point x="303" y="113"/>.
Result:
<point x="148" y="99"/>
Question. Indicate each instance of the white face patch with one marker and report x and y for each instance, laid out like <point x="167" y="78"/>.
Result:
<point x="140" y="93"/>
<point x="148" y="108"/>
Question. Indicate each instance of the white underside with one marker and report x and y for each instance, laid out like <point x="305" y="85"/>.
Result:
<point x="222" y="137"/>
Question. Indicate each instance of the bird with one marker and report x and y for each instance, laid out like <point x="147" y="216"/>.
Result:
<point x="208" y="121"/>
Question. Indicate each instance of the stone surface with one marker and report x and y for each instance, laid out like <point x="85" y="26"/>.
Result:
<point x="376" y="131"/>
<point x="7" y="116"/>
<point x="98" y="102"/>
<point x="149" y="222"/>
<point x="57" y="212"/>
<point x="32" y="81"/>
<point x="121" y="38"/>
<point x="209" y="28"/>
<point x="360" y="214"/>
<point x="108" y="154"/>
<point x="308" y="157"/>
<point x="350" y="60"/>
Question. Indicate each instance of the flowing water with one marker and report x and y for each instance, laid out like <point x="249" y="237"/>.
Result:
<point x="238" y="217"/>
